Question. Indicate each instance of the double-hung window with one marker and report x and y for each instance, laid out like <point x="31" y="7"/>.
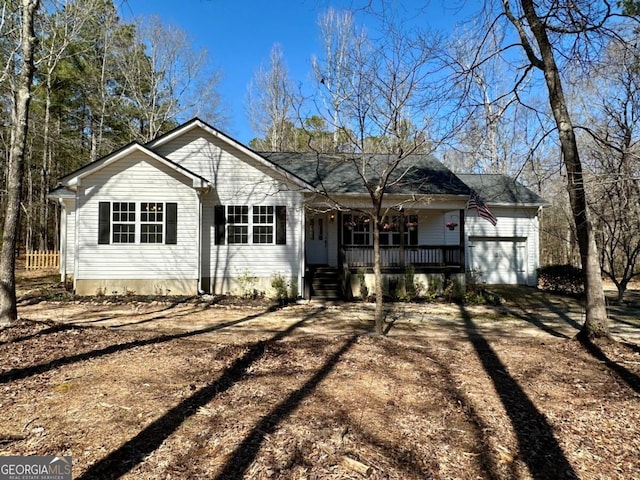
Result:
<point x="238" y="220"/>
<point x="137" y="222"/>
<point x="356" y="230"/>
<point x="250" y="225"/>
<point x="151" y="222"/>
<point x="124" y="222"/>
<point x="263" y="224"/>
<point x="392" y="225"/>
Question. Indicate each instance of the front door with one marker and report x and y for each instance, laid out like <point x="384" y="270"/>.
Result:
<point x="317" y="240"/>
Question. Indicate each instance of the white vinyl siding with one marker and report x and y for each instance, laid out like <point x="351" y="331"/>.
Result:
<point x="240" y="180"/>
<point x="137" y="178"/>
<point x="67" y="240"/>
<point x="260" y="260"/>
<point x="516" y="234"/>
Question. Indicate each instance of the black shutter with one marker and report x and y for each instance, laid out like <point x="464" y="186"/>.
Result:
<point x="104" y="223"/>
<point x="219" y="220"/>
<point x="171" y="237"/>
<point x="281" y="225"/>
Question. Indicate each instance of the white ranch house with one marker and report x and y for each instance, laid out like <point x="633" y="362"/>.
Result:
<point x="195" y="211"/>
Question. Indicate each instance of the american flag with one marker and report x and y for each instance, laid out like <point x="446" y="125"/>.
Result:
<point x="476" y="201"/>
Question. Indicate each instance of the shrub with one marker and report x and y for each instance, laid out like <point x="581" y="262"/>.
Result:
<point x="364" y="290"/>
<point x="247" y="284"/>
<point x="410" y="282"/>
<point x="475" y="291"/>
<point x="403" y="288"/>
<point x="454" y="290"/>
<point x="565" y="279"/>
<point x="281" y="287"/>
<point x="293" y="289"/>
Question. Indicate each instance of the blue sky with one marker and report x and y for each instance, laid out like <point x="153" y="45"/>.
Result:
<point x="239" y="35"/>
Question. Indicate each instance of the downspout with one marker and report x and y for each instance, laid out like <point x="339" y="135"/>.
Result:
<point x="302" y="253"/>
<point x="463" y="241"/>
<point x="63" y="241"/>
<point x="199" y="240"/>
<point x="76" y="240"/>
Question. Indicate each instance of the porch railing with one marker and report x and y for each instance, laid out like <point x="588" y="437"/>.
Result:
<point x="424" y="256"/>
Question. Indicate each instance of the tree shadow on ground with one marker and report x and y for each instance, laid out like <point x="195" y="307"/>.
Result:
<point x="561" y="313"/>
<point x="25" y="372"/>
<point x="485" y="461"/>
<point x="530" y="300"/>
<point x="246" y="452"/>
<point x="632" y="346"/>
<point x="55" y="328"/>
<point x="538" y="447"/>
<point x="625" y="322"/>
<point x="135" y="450"/>
<point x="628" y="377"/>
<point x="534" y="319"/>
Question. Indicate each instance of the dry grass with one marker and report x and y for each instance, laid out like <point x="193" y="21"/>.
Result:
<point x="199" y="390"/>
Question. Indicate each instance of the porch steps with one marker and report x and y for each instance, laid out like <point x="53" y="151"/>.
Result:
<point x="326" y="284"/>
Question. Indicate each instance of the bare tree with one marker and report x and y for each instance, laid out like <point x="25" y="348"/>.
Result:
<point x="544" y="30"/>
<point x="166" y="77"/>
<point x="19" y="129"/>
<point x="340" y="37"/>
<point x="271" y="103"/>
<point x="612" y="150"/>
<point x="485" y="143"/>
<point x="59" y="29"/>
<point x="389" y="104"/>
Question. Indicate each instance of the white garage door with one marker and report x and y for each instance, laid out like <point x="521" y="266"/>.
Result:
<point x="499" y="260"/>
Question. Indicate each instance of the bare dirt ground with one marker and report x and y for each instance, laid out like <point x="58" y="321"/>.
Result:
<point x="208" y="388"/>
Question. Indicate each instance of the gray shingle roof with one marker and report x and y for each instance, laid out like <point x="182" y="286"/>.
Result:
<point x="337" y="173"/>
<point x="500" y="189"/>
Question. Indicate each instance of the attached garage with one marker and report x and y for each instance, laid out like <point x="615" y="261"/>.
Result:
<point x="508" y="252"/>
<point x="499" y="260"/>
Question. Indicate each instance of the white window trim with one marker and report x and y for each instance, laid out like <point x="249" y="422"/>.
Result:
<point x="138" y="222"/>
<point x="251" y="224"/>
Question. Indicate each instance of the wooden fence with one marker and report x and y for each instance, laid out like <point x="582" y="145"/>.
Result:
<point x="42" y="260"/>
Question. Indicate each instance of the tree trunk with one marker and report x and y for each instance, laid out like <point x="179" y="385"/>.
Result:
<point x="596" y="313"/>
<point x="19" y="128"/>
<point x="45" y="170"/>
<point x="377" y="272"/>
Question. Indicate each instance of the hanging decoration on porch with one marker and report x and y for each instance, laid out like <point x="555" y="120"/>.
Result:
<point x="390" y="227"/>
<point x="350" y="224"/>
<point x="451" y="225"/>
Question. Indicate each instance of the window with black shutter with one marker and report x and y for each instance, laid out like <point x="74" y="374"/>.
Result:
<point x="137" y="222"/>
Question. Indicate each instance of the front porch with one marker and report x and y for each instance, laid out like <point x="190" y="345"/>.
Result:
<point x="431" y="241"/>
